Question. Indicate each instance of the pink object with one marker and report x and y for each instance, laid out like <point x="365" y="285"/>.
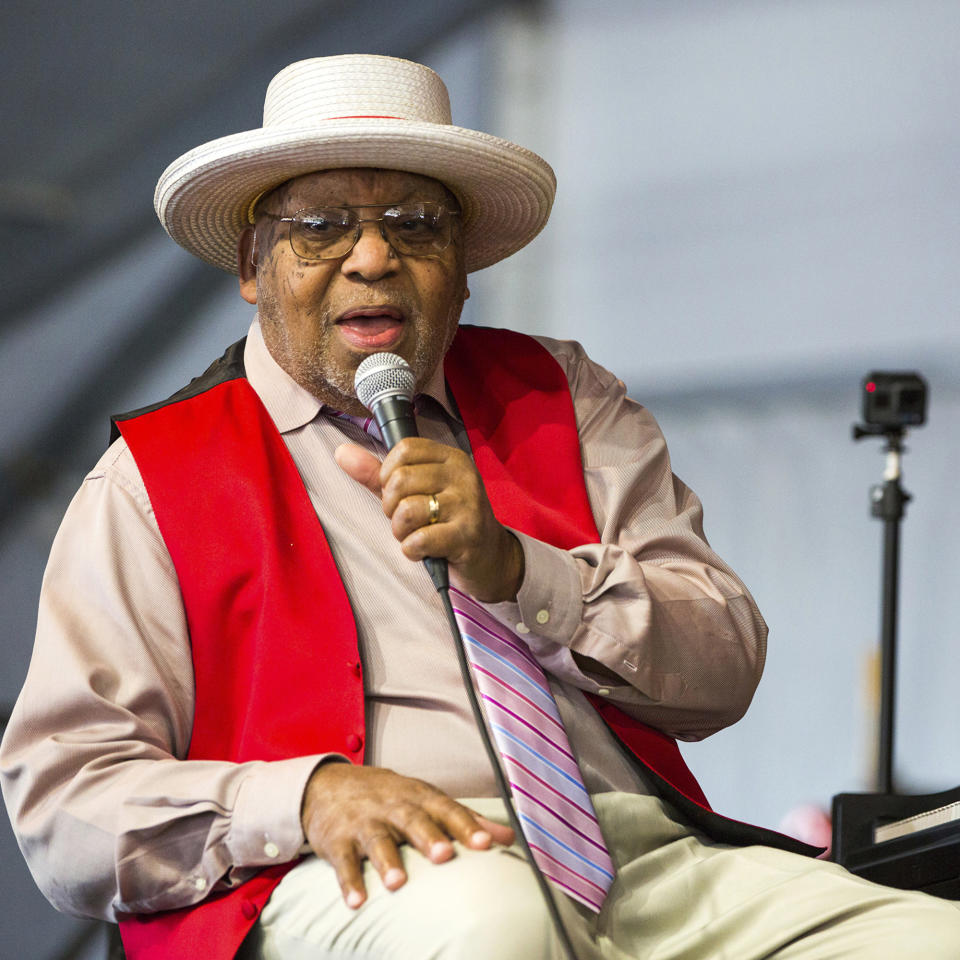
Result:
<point x="811" y="825"/>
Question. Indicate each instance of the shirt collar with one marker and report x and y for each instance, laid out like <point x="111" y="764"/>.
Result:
<point x="291" y="406"/>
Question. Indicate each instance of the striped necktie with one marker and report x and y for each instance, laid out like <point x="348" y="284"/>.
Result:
<point x="366" y="424"/>
<point x="553" y="806"/>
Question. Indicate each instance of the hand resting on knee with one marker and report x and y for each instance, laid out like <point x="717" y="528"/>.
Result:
<point x="352" y="813"/>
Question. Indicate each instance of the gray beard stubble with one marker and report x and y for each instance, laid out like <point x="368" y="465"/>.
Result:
<point x="315" y="371"/>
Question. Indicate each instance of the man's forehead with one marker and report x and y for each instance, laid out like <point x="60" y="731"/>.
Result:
<point x="358" y="185"/>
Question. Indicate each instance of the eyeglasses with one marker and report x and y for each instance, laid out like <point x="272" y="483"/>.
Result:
<point x="417" y="229"/>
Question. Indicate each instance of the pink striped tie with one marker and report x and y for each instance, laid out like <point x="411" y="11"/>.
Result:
<point x="553" y="805"/>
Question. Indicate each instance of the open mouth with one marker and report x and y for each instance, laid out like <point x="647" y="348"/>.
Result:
<point x="372" y="328"/>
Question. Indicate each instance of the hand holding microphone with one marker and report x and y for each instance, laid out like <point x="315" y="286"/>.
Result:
<point x="384" y="383"/>
<point x="431" y="492"/>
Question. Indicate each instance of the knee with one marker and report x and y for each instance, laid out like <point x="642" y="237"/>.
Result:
<point x="515" y="925"/>
<point x="502" y="914"/>
<point x="495" y="909"/>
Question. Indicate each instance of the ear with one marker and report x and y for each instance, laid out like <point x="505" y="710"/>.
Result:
<point x="247" y="265"/>
<point x="466" y="293"/>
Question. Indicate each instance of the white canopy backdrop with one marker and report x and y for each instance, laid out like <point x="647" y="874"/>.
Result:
<point x="758" y="203"/>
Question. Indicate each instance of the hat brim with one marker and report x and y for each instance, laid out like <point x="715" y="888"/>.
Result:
<point x="204" y="198"/>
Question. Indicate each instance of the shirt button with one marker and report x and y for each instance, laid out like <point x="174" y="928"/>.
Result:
<point x="522" y="628"/>
<point x="200" y="883"/>
<point x="249" y="909"/>
<point x="543" y="616"/>
<point x="271" y="849"/>
<point x="354" y="742"/>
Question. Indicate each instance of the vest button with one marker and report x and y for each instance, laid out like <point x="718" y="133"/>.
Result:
<point x="356" y="668"/>
<point x="354" y="742"/>
<point x="249" y="909"/>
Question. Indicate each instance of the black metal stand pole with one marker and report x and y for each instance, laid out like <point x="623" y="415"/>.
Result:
<point x="888" y="654"/>
<point x="887" y="503"/>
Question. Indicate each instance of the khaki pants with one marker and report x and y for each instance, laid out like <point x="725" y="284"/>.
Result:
<point x="677" y="896"/>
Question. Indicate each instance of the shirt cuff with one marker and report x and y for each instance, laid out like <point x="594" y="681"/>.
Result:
<point x="548" y="613"/>
<point x="550" y="600"/>
<point x="265" y="826"/>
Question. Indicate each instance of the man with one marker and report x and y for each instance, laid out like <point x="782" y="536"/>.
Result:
<point x="220" y="684"/>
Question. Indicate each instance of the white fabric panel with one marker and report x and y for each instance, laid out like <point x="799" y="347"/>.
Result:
<point x="767" y="187"/>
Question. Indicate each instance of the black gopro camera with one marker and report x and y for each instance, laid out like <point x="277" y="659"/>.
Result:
<point x="894" y="399"/>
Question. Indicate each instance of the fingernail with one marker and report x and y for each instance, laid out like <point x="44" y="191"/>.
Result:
<point x="394" y="877"/>
<point x="440" y="849"/>
<point x="354" y="899"/>
<point x="481" y="838"/>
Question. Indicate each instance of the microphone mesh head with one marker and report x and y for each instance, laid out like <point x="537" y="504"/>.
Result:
<point x="383" y="375"/>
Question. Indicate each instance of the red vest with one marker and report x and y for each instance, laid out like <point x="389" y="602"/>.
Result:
<point x="276" y="663"/>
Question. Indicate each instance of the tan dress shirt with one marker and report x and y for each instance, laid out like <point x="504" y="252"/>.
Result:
<point x="109" y="815"/>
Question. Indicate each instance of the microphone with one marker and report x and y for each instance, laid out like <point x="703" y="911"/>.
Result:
<point x="384" y="384"/>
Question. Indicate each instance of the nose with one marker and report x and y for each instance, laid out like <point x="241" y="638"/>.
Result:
<point x="372" y="257"/>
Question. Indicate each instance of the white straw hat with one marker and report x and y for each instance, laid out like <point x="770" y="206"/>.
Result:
<point x="356" y="111"/>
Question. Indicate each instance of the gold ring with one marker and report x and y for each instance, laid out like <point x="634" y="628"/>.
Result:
<point x="434" y="507"/>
